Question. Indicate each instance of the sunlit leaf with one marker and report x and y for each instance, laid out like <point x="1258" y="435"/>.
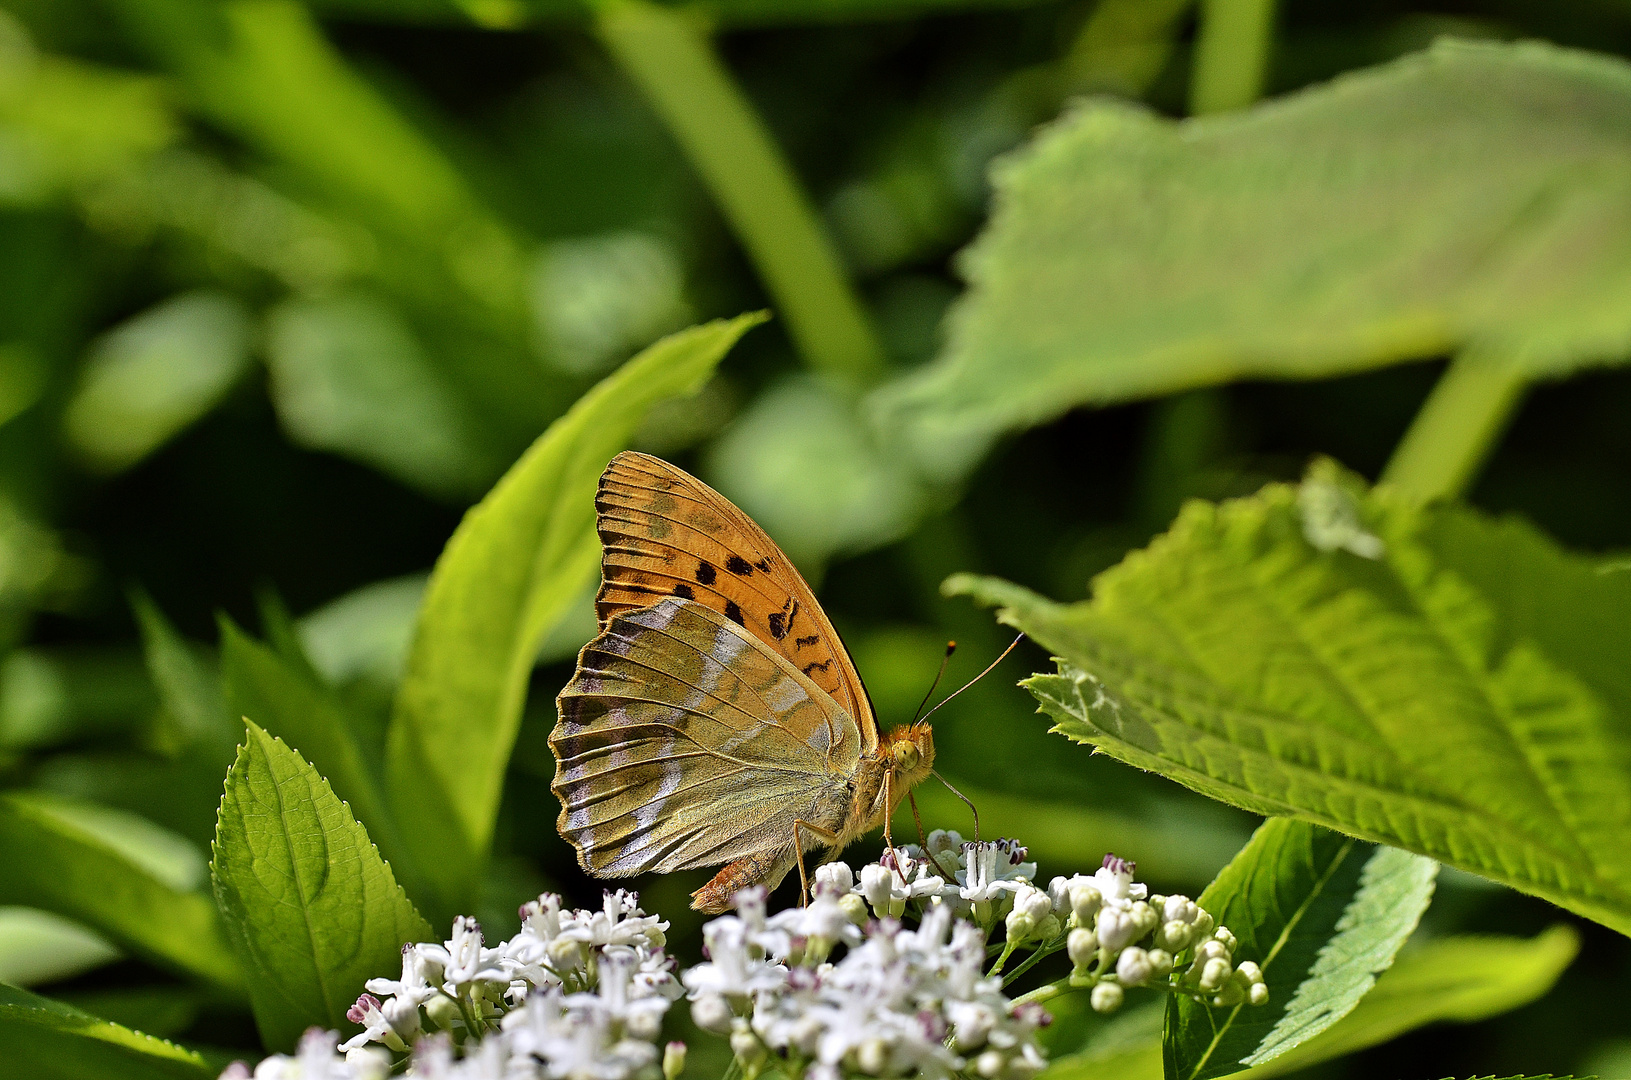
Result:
<point x="1462" y="695"/>
<point x="1322" y="914"/>
<point x="292" y="705"/>
<point x="52" y="1041"/>
<point x="1470" y="198"/>
<point x="97" y="867"/>
<point x="151" y="377"/>
<point x="39" y="947"/>
<point x="312" y="910"/>
<point x="349" y="376"/>
<point x="859" y="498"/>
<point x="512" y="570"/>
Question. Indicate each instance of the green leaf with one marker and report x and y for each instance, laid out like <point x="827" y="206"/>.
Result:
<point x="290" y="704"/>
<point x="349" y="376"/>
<point x="1323" y="914"/>
<point x="511" y="571"/>
<point x="1458" y="979"/>
<point x="52" y="1041"/>
<point x="1462" y="695"/>
<point x="1471" y="198"/>
<point x="154" y="375"/>
<point x="310" y="906"/>
<point x="63" y="858"/>
<point x="39" y="947"/>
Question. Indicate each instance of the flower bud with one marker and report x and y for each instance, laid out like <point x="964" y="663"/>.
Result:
<point x="1160" y="963"/>
<point x="1224" y="937"/>
<point x="854" y="908"/>
<point x="989" y="1064"/>
<point x="1085" y="901"/>
<point x="673" y="1060"/>
<point x="1215" y="973"/>
<point x="1249" y="971"/>
<point x="1174" y="935"/>
<point x="1144" y="917"/>
<point x="1059" y="893"/>
<point x="442" y="1011"/>
<point x="1105" y="998"/>
<point x="565" y="953"/>
<point x="1178" y="909"/>
<point x="1232" y="993"/>
<point x="746" y="1046"/>
<point x="644" y="1025"/>
<point x="1082" y="945"/>
<point x="873" y="1056"/>
<point x="711" y="1012"/>
<point x="403" y="1016"/>
<point x="1031" y="906"/>
<point x="1133" y="967"/>
<point x="836" y="874"/>
<point x="1258" y="994"/>
<point x="1050" y="928"/>
<point x="1116" y="928"/>
<point x="1203" y="923"/>
<point x="368" y="1063"/>
<point x="1210" y="950"/>
<point x="878" y="886"/>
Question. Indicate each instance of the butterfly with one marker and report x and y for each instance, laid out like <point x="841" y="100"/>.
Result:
<point x="717" y="718"/>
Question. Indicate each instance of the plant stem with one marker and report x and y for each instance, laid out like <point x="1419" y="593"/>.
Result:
<point x="1456" y="429"/>
<point x="1048" y="991"/>
<point x="669" y="55"/>
<point x="1231" y="55"/>
<point x="1032" y="960"/>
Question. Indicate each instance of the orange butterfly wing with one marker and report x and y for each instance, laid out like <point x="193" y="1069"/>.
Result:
<point x="665" y="533"/>
<point x="683" y="742"/>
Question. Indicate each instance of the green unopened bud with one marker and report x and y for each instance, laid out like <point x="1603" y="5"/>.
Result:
<point x="1106" y="997"/>
<point x="854" y="908"/>
<point x="1232" y="993"/>
<point x="1085" y="901"/>
<point x="1215" y="973"/>
<point x="1050" y="928"/>
<point x="1258" y="994"/>
<point x="1160" y="963"/>
<point x="1227" y="939"/>
<point x="747" y="1047"/>
<point x="673" y="1060"/>
<point x="442" y="1011"/>
<point x="1082" y="946"/>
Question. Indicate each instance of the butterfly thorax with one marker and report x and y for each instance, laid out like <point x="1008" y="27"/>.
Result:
<point x="902" y="760"/>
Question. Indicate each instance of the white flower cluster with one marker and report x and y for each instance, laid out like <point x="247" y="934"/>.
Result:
<point x="1120" y="936"/>
<point x="900" y="1002"/>
<point x="576" y="995"/>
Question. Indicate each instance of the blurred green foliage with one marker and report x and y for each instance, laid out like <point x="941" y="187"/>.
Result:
<point x="287" y="287"/>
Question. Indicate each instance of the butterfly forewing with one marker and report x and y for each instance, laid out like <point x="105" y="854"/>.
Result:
<point x="685" y="741"/>
<point x="665" y="533"/>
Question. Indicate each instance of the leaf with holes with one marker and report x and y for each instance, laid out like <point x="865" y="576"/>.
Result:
<point x="1463" y="694"/>
<point x="311" y="908"/>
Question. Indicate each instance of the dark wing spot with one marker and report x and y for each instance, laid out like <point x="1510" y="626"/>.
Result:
<point x="805" y="642"/>
<point x="764" y="564"/>
<point x="706" y="573"/>
<point x="738" y="566"/>
<point x="734" y="613"/>
<point x="780" y="624"/>
<point x="683" y="591"/>
<point x="822" y="665"/>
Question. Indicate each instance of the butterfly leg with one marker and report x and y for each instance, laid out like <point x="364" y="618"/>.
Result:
<point x="826" y="835"/>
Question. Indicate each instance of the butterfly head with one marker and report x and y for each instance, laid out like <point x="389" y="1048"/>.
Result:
<point x="910" y="755"/>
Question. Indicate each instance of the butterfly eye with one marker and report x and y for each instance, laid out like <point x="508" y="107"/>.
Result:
<point x="906" y="755"/>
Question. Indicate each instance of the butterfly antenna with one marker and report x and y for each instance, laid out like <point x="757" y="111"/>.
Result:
<point x="976" y="678"/>
<point x="923" y="841"/>
<point x="951" y="647"/>
<point x="966" y="801"/>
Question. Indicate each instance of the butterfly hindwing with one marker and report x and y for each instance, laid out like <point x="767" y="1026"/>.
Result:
<point x="665" y="533"/>
<point x="685" y="741"/>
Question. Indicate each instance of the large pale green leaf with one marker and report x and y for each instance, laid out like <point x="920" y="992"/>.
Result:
<point x="291" y="704"/>
<point x="1462" y="695"/>
<point x="96" y="867"/>
<point x="1453" y="979"/>
<point x="1475" y="197"/>
<point x="311" y="908"/>
<point x="39" y="947"/>
<point x="511" y="571"/>
<point x="52" y="1041"/>
<point x="1323" y="914"/>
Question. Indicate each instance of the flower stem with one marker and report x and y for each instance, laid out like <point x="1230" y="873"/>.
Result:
<point x="668" y="53"/>
<point x="1456" y="429"/>
<point x="1231" y="55"/>
<point x="1007" y="951"/>
<point x="1032" y="960"/>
